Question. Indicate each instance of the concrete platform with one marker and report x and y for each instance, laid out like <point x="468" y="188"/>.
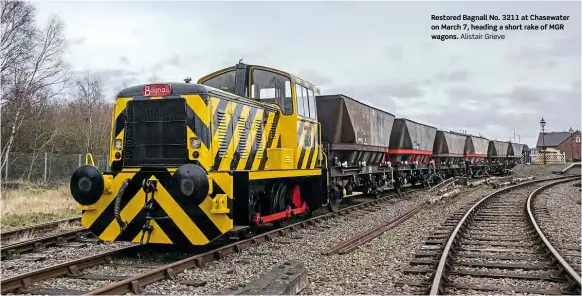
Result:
<point x="286" y="279"/>
<point x="571" y="169"/>
<point x="544" y="170"/>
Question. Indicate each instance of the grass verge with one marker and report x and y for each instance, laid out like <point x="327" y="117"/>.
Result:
<point x="28" y="206"/>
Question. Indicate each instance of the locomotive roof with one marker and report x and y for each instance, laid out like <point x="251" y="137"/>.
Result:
<point x="294" y="78"/>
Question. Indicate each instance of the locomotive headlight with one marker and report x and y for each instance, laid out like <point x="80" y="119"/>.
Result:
<point x="195" y="142"/>
<point x="118" y="144"/>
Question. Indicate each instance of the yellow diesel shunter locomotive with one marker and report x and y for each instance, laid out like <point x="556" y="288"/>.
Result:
<point x="192" y="162"/>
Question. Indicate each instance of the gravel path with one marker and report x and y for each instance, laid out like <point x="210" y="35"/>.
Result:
<point x="54" y="255"/>
<point x="368" y="270"/>
<point x="558" y="213"/>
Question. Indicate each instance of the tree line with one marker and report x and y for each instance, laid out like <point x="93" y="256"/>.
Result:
<point x="43" y="106"/>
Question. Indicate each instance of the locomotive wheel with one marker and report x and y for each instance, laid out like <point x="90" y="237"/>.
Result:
<point x="254" y="205"/>
<point x="334" y="201"/>
<point x="281" y="196"/>
<point x="308" y="213"/>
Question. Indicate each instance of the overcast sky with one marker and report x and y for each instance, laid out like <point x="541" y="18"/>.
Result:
<point x="377" y="52"/>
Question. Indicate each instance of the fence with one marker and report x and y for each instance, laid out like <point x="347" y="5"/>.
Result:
<point x="548" y="158"/>
<point x="45" y="167"/>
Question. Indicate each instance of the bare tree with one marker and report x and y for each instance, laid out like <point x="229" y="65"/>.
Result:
<point x="154" y="78"/>
<point x="18" y="31"/>
<point x="33" y="71"/>
<point x="120" y="87"/>
<point x="89" y="95"/>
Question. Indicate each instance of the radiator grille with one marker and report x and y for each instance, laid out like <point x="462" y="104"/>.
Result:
<point x="259" y="139"/>
<point x="221" y="132"/>
<point x="155" y="133"/>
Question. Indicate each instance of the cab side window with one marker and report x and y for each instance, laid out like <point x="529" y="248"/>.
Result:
<point x="224" y="81"/>
<point x="312" y="111"/>
<point x="306" y="102"/>
<point x="272" y="88"/>
<point x="300" y="100"/>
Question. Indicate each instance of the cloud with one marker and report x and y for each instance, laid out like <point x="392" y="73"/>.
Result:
<point x="77" y="41"/>
<point x="378" y="52"/>
<point x="315" y="78"/>
<point x="113" y="79"/>
<point x="401" y="90"/>
<point x="175" y="60"/>
<point x="453" y="76"/>
<point x="124" y="61"/>
<point x="394" y="52"/>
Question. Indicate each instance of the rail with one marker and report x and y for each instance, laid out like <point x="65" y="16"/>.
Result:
<point x="25" y="280"/>
<point x="442" y="264"/>
<point x="353" y="243"/>
<point x="8" y="251"/>
<point x="572" y="275"/>
<point x="37" y="228"/>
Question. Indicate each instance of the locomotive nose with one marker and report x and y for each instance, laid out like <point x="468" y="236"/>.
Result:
<point x="193" y="183"/>
<point x="86" y="185"/>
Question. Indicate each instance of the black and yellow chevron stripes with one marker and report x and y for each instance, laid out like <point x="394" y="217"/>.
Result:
<point x="307" y="144"/>
<point x="185" y="223"/>
<point x="241" y="134"/>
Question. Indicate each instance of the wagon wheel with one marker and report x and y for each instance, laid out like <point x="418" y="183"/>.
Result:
<point x="334" y="201"/>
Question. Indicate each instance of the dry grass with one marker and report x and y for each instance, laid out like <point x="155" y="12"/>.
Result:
<point x="27" y="206"/>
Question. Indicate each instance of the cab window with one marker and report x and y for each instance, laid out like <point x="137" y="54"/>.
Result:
<point x="224" y="81"/>
<point x="312" y="111"/>
<point x="306" y="102"/>
<point x="272" y="88"/>
<point x="300" y="100"/>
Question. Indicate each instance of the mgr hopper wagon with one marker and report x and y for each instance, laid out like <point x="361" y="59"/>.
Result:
<point x="449" y="153"/>
<point x="244" y="146"/>
<point x="410" y="150"/>
<point x="357" y="146"/>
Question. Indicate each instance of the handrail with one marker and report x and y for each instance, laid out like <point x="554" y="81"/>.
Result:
<point x="87" y="157"/>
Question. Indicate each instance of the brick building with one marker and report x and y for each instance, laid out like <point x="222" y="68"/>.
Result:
<point x="562" y="141"/>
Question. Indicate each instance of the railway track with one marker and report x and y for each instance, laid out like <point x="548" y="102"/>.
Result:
<point x="353" y="243"/>
<point x="495" y="246"/>
<point x="359" y="240"/>
<point x="11" y="251"/>
<point x="134" y="283"/>
<point x="36" y="229"/>
<point x="135" y="279"/>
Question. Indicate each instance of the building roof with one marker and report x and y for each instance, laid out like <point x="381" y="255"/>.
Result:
<point x="552" y="139"/>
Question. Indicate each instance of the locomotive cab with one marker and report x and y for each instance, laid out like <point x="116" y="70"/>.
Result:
<point x="294" y="97"/>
